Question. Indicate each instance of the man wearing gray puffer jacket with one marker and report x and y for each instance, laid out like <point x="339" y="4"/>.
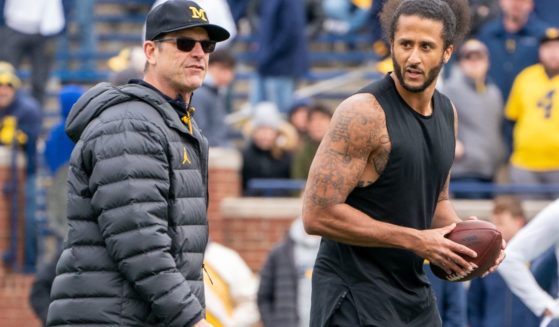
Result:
<point x="137" y="197"/>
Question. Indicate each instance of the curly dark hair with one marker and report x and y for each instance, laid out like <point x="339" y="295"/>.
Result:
<point x="454" y="14"/>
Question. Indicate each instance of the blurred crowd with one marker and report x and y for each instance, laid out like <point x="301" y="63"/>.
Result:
<point x="503" y="81"/>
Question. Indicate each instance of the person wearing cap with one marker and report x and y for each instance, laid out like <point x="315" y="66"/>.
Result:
<point x="26" y="111"/>
<point x="533" y="106"/>
<point x="138" y="190"/>
<point x="21" y="119"/>
<point x="480" y="146"/>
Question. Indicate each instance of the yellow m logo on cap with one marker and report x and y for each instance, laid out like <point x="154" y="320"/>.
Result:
<point x="198" y="13"/>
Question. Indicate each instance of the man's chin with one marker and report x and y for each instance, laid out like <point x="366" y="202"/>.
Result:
<point x="193" y="84"/>
<point x="414" y="87"/>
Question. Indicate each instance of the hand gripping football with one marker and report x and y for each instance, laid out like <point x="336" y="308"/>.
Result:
<point x="480" y="236"/>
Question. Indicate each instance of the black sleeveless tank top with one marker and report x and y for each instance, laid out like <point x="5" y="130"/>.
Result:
<point x="388" y="285"/>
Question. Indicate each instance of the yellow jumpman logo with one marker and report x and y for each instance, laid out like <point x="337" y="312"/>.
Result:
<point x="185" y="159"/>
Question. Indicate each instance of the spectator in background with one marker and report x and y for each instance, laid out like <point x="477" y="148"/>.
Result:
<point x="210" y="100"/>
<point x="479" y="147"/>
<point x="490" y="301"/>
<point x="230" y="288"/>
<point x="20" y="123"/>
<point x="284" y="294"/>
<point x="58" y="148"/>
<point x="451" y="299"/>
<point x="541" y="234"/>
<point x="28" y="31"/>
<point x="319" y="117"/>
<point x="127" y="65"/>
<point x="267" y="152"/>
<point x="298" y="115"/>
<point x="281" y="53"/>
<point x="512" y="40"/>
<point x="534" y="108"/>
<point x="18" y="105"/>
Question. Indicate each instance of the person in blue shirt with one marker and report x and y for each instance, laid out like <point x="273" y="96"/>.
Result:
<point x="513" y="40"/>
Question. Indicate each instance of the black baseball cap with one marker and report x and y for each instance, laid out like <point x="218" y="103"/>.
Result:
<point x="176" y="15"/>
<point x="472" y="46"/>
<point x="551" y="34"/>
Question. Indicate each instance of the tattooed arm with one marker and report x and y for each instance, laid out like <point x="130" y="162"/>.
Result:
<point x="336" y="170"/>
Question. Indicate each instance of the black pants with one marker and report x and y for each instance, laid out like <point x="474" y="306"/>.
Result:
<point x="38" y="48"/>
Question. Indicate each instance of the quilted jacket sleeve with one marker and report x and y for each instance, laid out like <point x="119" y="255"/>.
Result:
<point x="130" y="185"/>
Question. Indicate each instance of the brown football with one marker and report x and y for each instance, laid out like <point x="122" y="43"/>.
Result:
<point x="480" y="236"/>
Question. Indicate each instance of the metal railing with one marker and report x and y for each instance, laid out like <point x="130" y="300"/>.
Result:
<point x="265" y="185"/>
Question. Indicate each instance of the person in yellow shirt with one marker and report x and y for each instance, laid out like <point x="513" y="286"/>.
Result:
<point x="230" y="288"/>
<point x="533" y="106"/>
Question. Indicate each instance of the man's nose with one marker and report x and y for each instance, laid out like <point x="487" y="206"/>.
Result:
<point x="414" y="57"/>
<point x="197" y="51"/>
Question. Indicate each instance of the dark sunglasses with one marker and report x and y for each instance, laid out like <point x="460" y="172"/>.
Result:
<point x="187" y="44"/>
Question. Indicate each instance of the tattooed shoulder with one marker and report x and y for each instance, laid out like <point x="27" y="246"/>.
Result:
<point x="378" y="157"/>
<point x="344" y="152"/>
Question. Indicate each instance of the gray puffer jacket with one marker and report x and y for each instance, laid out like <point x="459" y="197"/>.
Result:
<point x="137" y="207"/>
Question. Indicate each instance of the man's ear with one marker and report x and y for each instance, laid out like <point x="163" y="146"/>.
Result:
<point x="149" y="50"/>
<point x="448" y="54"/>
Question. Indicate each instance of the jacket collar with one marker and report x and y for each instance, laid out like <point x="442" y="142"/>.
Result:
<point x="105" y="95"/>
